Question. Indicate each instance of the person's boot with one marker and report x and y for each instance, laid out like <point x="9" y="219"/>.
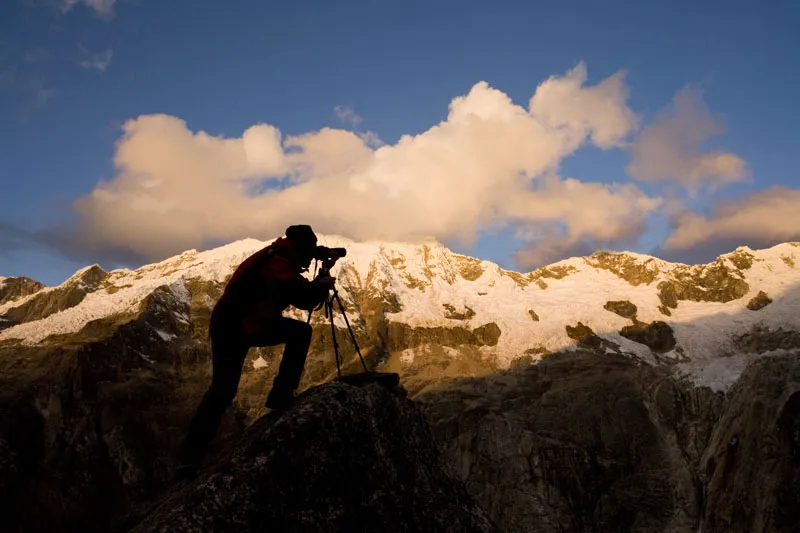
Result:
<point x="279" y="399"/>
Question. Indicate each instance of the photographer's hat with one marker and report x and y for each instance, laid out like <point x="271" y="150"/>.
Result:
<point x="302" y="236"/>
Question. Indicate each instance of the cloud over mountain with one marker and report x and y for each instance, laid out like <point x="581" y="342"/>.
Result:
<point x="671" y="147"/>
<point x="490" y="162"/>
<point x="763" y="218"/>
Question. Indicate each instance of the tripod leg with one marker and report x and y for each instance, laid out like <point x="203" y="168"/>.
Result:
<point x="352" y="335"/>
<point x="329" y="309"/>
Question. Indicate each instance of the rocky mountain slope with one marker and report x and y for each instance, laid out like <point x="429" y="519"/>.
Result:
<point x="354" y="456"/>
<point x="590" y="442"/>
<point x="409" y="296"/>
<point x="637" y="361"/>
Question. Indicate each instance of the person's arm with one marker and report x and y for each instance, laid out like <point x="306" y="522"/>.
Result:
<point x="294" y="288"/>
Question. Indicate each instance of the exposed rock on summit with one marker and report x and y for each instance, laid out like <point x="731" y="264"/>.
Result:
<point x="715" y="282"/>
<point x="452" y="313"/>
<point x="401" y="336"/>
<point x="589" y="339"/>
<point x="623" y="308"/>
<point x="626" y="267"/>
<point x="51" y="301"/>
<point x="759" y="301"/>
<point x="14" y="288"/>
<point x="658" y="336"/>
<point x="346" y="457"/>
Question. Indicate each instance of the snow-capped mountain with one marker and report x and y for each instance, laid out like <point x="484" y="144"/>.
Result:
<point x="100" y="375"/>
<point x="14" y="288"/>
<point x="630" y="303"/>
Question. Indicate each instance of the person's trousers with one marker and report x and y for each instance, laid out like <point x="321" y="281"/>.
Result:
<point x="229" y="351"/>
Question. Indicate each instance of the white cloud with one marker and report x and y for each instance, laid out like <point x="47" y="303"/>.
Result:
<point x="102" y="7"/>
<point x="98" y="61"/>
<point x="763" y="218"/>
<point x="490" y="163"/>
<point x="576" y="111"/>
<point x="670" y="148"/>
<point x="574" y="218"/>
<point x="347" y="115"/>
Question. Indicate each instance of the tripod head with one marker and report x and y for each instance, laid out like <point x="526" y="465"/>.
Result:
<point x="328" y="256"/>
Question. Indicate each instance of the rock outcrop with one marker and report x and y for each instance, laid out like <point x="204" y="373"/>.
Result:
<point x="346" y="457"/>
<point x="17" y="287"/>
<point x="584" y="442"/>
<point x="588" y="339"/>
<point x="658" y="336"/>
<point x="752" y="463"/>
<point x="623" y="308"/>
<point x="593" y="442"/>
<point x="759" y="301"/>
<point x="44" y="303"/>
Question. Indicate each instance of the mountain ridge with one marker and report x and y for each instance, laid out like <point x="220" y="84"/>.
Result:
<point x="425" y="286"/>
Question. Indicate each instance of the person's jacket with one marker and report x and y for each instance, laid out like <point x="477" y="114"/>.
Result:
<point x="262" y="287"/>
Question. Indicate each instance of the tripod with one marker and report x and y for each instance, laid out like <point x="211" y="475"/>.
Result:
<point x="328" y="303"/>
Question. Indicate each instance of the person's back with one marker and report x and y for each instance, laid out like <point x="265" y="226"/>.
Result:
<point x="262" y="287"/>
<point x="241" y="293"/>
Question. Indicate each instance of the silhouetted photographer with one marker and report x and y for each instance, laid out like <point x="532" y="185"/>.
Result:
<point x="250" y="313"/>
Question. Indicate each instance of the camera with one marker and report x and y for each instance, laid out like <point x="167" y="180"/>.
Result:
<point x="323" y="253"/>
<point x="328" y="256"/>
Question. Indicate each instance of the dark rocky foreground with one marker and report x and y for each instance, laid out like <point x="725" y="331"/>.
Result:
<point x="590" y="442"/>
<point x="347" y="457"/>
<point x="578" y="442"/>
<point x="581" y="441"/>
<point x="751" y="467"/>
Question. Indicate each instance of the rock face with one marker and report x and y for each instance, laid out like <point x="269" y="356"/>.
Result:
<point x="588" y="339"/>
<point x="763" y="339"/>
<point x="587" y="442"/>
<point x="15" y="288"/>
<point x="752" y="464"/>
<point x="12" y="289"/>
<point x="759" y="301"/>
<point x="623" y="308"/>
<point x="715" y="282"/>
<point x="45" y="303"/>
<point x="658" y="336"/>
<point x="592" y="442"/>
<point x="89" y="426"/>
<point x="344" y="458"/>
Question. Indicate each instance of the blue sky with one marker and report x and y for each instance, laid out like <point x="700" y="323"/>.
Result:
<point x="70" y="78"/>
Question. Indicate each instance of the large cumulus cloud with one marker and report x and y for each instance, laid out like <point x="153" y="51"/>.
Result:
<point x="490" y="162"/>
